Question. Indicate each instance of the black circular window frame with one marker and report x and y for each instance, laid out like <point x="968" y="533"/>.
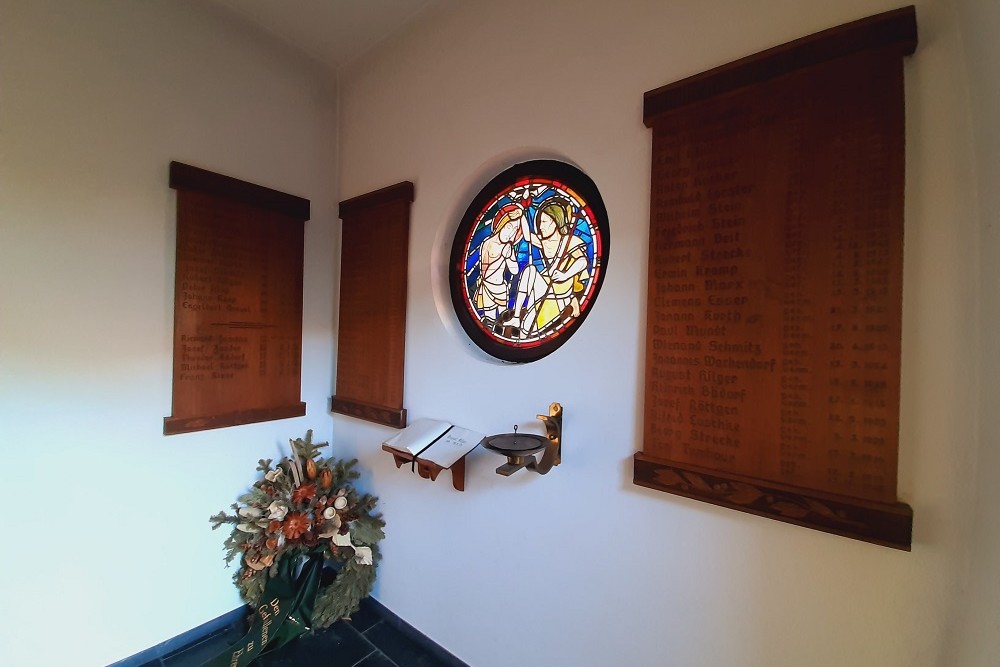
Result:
<point x="579" y="182"/>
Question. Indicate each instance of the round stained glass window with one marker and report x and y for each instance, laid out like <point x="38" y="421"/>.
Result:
<point x="528" y="259"/>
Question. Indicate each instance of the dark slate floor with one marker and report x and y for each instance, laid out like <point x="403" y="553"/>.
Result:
<point x="367" y="640"/>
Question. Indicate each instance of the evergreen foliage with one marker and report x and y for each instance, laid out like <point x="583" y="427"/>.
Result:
<point x="277" y="519"/>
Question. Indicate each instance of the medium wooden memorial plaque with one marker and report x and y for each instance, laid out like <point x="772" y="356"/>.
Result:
<point x="775" y="283"/>
<point x="237" y="302"/>
<point x="373" y="276"/>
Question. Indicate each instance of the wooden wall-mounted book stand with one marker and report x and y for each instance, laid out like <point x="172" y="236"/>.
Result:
<point x="429" y="469"/>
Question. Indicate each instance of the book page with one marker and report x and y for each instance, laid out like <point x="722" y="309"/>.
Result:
<point x="452" y="446"/>
<point x="418" y="435"/>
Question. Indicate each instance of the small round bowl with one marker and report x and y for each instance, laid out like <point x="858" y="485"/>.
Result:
<point x="515" y="444"/>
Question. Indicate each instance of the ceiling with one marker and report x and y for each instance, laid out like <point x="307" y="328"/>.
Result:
<point x="333" y="32"/>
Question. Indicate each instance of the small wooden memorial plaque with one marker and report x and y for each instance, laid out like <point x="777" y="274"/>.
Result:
<point x="775" y="283"/>
<point x="373" y="273"/>
<point x="237" y="302"/>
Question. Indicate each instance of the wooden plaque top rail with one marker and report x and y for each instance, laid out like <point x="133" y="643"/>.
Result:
<point x="398" y="192"/>
<point x="186" y="177"/>
<point x="896" y="27"/>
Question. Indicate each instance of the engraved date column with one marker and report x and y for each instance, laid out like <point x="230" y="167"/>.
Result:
<point x="796" y="341"/>
<point x="861" y="332"/>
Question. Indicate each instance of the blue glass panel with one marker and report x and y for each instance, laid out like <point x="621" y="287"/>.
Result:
<point x="472" y="260"/>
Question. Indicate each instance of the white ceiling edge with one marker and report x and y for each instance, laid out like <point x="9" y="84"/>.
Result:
<point x="332" y="32"/>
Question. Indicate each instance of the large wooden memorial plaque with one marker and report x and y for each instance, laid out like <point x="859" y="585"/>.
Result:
<point x="237" y="302"/>
<point x="372" y="331"/>
<point x="775" y="283"/>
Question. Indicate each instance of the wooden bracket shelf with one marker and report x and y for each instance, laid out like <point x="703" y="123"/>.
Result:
<point x="429" y="469"/>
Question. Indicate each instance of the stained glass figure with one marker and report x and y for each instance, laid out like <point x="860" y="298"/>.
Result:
<point x="528" y="259"/>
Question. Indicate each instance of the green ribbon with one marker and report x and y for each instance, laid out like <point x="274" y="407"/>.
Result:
<point x="284" y="613"/>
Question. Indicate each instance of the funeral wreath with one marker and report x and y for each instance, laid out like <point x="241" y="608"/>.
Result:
<point x="304" y="510"/>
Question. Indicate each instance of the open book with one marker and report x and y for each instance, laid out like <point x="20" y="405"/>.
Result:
<point x="435" y="441"/>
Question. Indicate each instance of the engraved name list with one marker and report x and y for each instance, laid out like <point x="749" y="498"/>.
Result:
<point x="769" y="294"/>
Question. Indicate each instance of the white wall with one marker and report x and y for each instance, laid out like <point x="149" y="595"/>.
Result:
<point x="581" y="567"/>
<point x="977" y="637"/>
<point x="107" y="549"/>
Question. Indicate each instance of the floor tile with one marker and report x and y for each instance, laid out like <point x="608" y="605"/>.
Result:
<point x="376" y="659"/>
<point x="365" y="617"/>
<point x="399" y="648"/>
<point x="340" y="645"/>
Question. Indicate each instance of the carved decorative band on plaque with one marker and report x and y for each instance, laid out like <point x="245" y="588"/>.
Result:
<point x="775" y="282"/>
<point x="237" y="302"/>
<point x="371" y="335"/>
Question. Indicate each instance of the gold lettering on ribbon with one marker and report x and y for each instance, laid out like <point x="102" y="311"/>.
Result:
<point x="265" y="630"/>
